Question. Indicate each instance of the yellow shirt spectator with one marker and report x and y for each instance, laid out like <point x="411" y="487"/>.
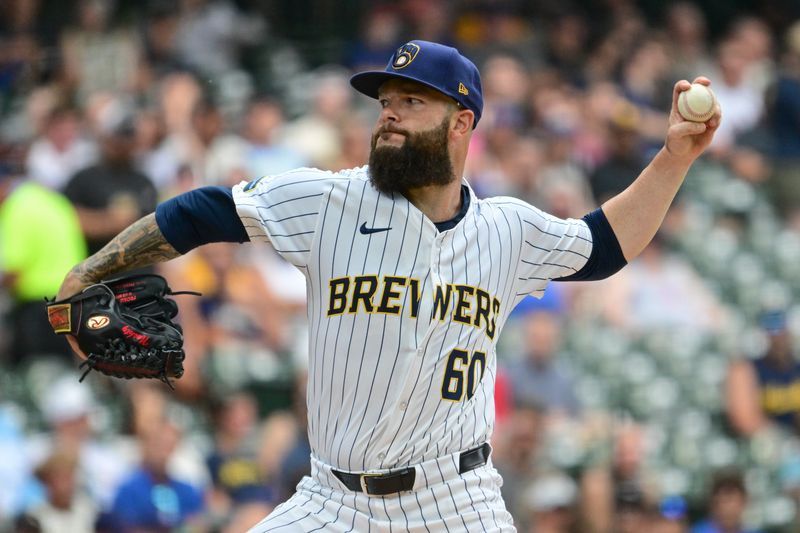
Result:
<point x="40" y="240"/>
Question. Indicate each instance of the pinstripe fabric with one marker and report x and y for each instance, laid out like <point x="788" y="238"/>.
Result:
<point x="431" y="302"/>
<point x="442" y="500"/>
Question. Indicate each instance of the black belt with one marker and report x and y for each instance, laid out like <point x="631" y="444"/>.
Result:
<point x="403" y="479"/>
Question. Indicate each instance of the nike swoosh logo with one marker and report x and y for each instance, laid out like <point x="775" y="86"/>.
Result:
<point x="366" y="231"/>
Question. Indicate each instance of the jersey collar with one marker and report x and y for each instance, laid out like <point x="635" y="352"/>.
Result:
<point x="465" y="201"/>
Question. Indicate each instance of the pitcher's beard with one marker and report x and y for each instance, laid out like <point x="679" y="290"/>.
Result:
<point x="421" y="161"/>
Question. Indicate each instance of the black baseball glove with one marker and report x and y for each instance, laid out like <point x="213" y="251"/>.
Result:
<point x="124" y="327"/>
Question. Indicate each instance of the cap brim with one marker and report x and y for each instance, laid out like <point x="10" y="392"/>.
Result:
<point x="369" y="82"/>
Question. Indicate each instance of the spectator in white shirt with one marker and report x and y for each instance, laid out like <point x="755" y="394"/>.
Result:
<point x="60" y="151"/>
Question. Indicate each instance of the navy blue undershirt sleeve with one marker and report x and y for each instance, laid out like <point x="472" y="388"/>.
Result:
<point x="200" y="216"/>
<point x="606" y="258"/>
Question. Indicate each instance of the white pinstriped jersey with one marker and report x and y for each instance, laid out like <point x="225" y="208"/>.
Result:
<point x="403" y="318"/>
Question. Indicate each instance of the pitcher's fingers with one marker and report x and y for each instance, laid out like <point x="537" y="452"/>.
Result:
<point x="677" y="89"/>
<point x="714" y="122"/>
<point x="688" y="128"/>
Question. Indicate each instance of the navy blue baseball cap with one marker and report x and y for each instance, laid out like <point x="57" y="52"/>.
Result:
<point x="438" y="66"/>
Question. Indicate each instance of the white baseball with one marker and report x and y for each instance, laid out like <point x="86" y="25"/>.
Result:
<point x="697" y="104"/>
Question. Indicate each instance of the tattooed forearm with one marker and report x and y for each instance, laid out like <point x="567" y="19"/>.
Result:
<point x="140" y="244"/>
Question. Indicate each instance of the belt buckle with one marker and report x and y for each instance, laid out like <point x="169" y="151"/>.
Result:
<point x="363" y="482"/>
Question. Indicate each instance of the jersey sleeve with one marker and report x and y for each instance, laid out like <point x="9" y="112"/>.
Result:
<point x="284" y="210"/>
<point x="551" y="248"/>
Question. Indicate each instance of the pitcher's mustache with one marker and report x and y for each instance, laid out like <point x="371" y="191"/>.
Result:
<point x="389" y="129"/>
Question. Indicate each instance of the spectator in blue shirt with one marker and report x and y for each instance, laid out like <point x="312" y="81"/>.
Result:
<point x="540" y="377"/>
<point x="727" y="503"/>
<point x="764" y="392"/>
<point x="150" y="499"/>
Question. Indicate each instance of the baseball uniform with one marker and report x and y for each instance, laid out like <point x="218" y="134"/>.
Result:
<point x="404" y="320"/>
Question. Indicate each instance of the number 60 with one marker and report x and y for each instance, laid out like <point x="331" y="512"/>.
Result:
<point x="459" y="362"/>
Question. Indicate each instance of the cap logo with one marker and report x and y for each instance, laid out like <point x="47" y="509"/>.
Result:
<point x="462" y="89"/>
<point x="405" y="55"/>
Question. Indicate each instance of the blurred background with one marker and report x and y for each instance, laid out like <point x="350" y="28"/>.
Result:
<point x="665" y="399"/>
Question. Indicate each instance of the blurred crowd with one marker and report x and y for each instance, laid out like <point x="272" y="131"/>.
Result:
<point x="665" y="399"/>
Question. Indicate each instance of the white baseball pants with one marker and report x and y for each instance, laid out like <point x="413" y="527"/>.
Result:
<point x="442" y="501"/>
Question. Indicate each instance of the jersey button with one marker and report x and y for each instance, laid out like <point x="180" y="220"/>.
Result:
<point x="403" y="406"/>
<point x="381" y="456"/>
<point x="420" y="352"/>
